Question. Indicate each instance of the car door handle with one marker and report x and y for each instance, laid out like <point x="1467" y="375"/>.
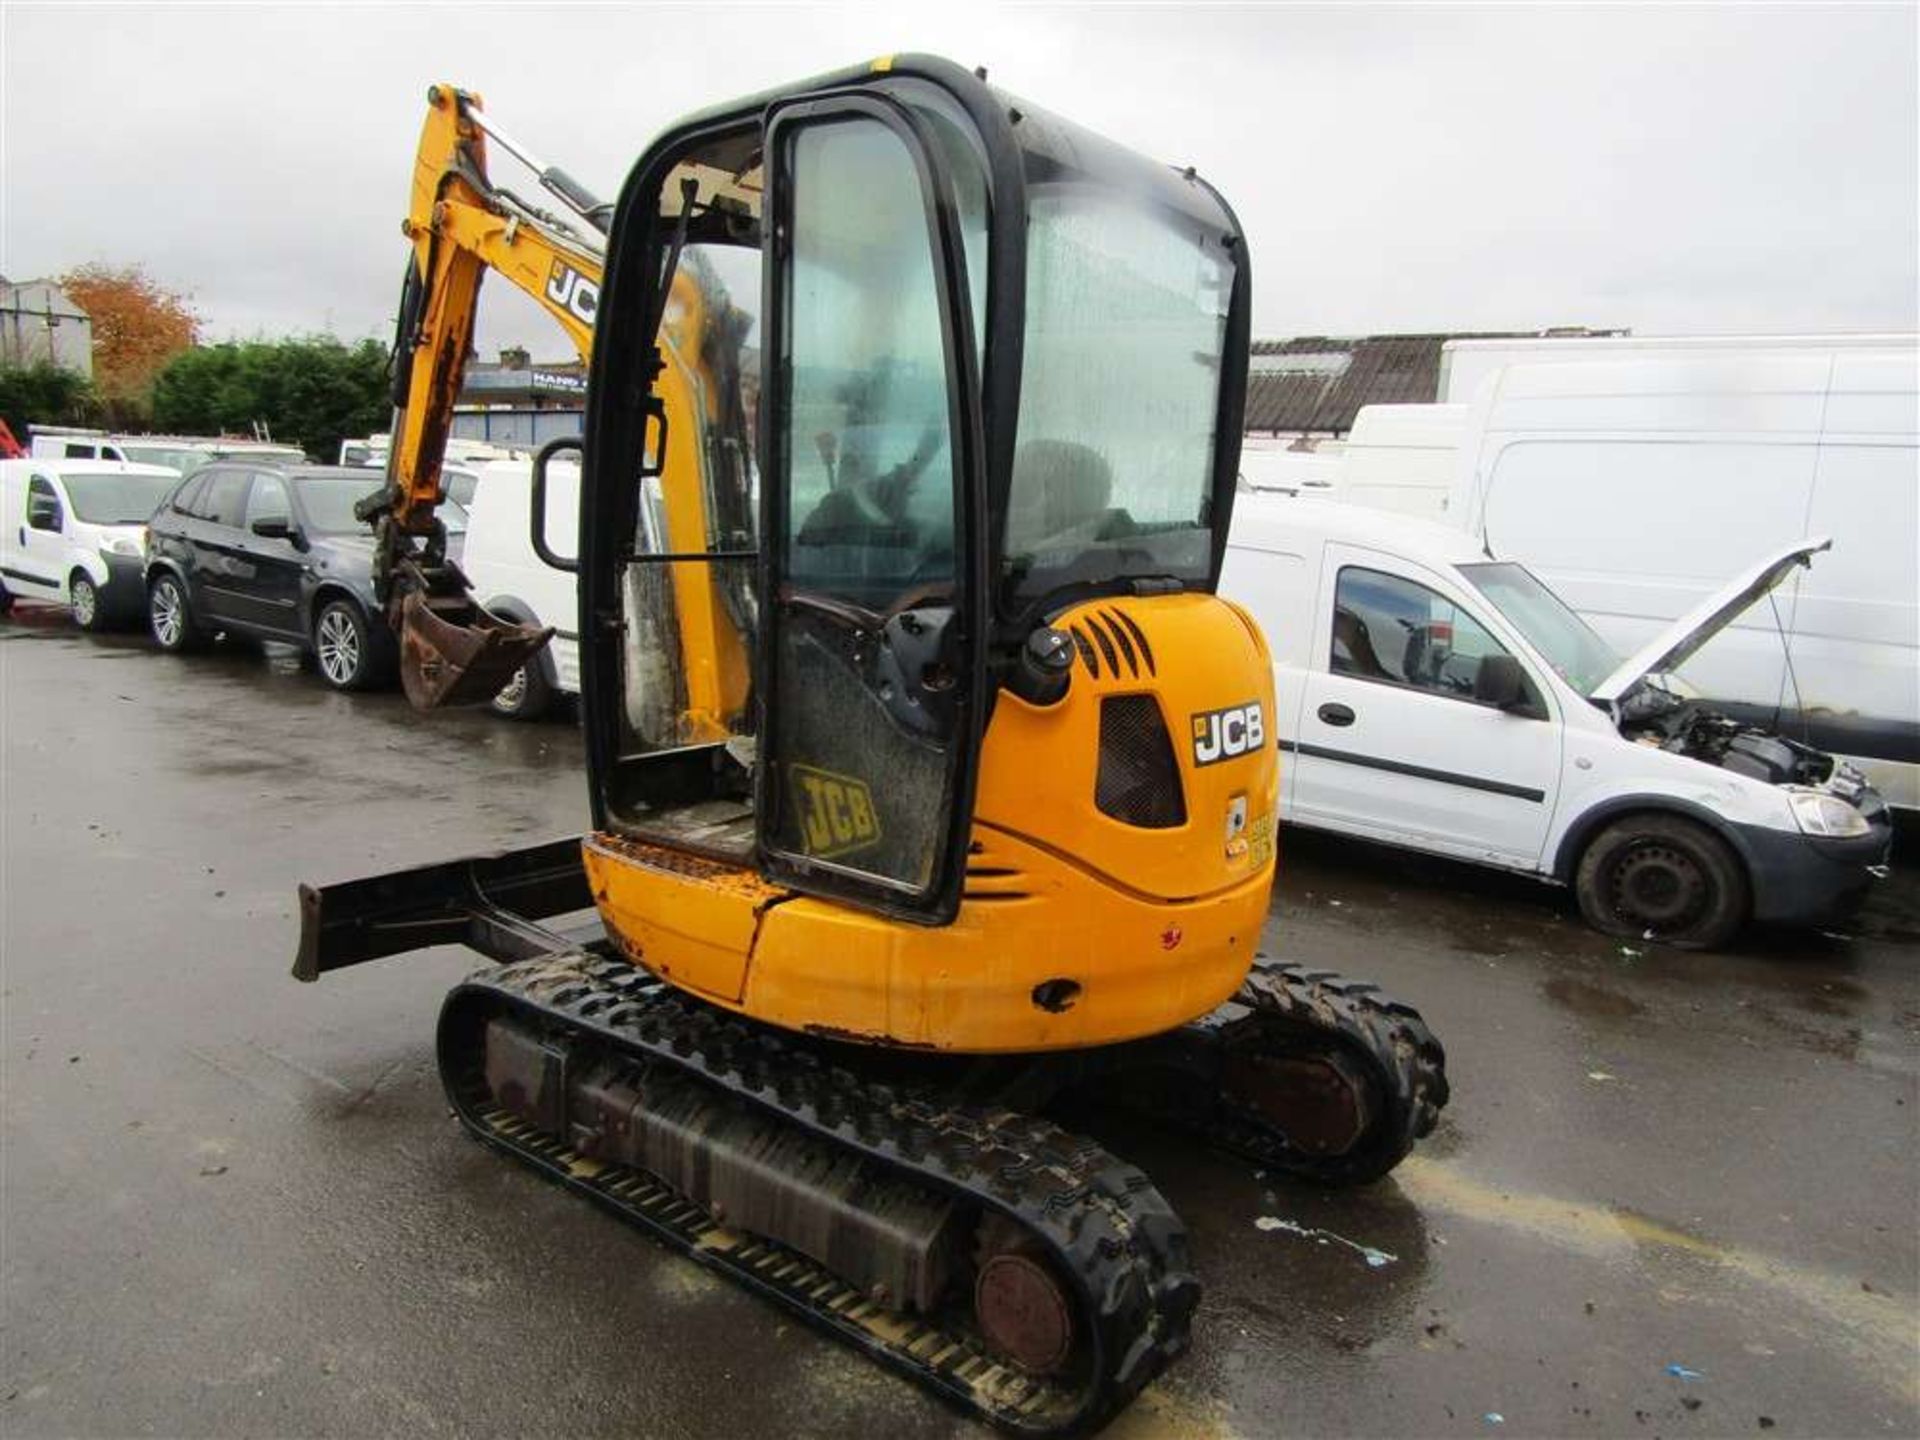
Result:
<point x="1334" y="713"/>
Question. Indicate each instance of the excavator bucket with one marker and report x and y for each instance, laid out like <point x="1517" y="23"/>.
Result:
<point x="454" y="652"/>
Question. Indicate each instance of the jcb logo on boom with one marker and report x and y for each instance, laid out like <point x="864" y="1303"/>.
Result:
<point x="1223" y="734"/>
<point x="835" y="812"/>
<point x="573" y="292"/>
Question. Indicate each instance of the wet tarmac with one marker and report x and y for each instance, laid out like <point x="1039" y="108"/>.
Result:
<point x="235" y="1205"/>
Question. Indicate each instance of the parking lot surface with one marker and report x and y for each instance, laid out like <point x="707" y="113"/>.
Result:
<point x="1675" y="1194"/>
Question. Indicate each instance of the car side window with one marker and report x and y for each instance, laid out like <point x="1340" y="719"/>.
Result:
<point x="186" y="498"/>
<point x="268" y="500"/>
<point x="42" y="498"/>
<point x="225" y="500"/>
<point x="1399" y="632"/>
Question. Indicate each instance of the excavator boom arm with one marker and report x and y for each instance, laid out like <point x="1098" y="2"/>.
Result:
<point x="462" y="225"/>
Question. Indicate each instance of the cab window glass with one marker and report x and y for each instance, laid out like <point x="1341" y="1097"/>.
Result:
<point x="268" y="500"/>
<point x="870" y="471"/>
<point x="225" y="498"/>
<point x="1392" y="629"/>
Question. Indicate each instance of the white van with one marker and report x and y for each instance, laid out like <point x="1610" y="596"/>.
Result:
<point x="75" y="532"/>
<point x="1402" y="458"/>
<point x="1634" y="486"/>
<point x="515" y="584"/>
<point x="1431" y="697"/>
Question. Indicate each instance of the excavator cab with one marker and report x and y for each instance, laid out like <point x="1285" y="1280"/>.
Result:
<point x="973" y="363"/>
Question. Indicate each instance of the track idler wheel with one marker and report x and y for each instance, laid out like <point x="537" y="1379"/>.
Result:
<point x="1022" y="1309"/>
<point x="1322" y="1103"/>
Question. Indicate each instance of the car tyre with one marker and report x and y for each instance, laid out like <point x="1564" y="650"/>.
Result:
<point x="527" y="696"/>
<point x="344" y="647"/>
<point x="83" y="603"/>
<point x="169" y="618"/>
<point x="1662" y="877"/>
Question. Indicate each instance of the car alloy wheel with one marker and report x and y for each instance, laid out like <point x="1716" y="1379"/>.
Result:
<point x="337" y="646"/>
<point x="168" y="612"/>
<point x="84" y="601"/>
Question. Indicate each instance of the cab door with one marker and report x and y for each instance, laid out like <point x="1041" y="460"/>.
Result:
<point x="870" y="676"/>
<point x="1392" y="743"/>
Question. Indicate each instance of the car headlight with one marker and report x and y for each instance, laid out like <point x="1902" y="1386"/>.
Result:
<point x="1818" y="813"/>
<point x="120" y="545"/>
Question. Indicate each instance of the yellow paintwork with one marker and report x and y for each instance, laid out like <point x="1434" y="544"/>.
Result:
<point x="1155" y="927"/>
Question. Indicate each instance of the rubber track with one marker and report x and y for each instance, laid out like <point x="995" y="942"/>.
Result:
<point x="1282" y="1007"/>
<point x="1107" y="1227"/>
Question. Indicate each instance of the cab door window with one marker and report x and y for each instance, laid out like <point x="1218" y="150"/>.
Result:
<point x="1399" y="632"/>
<point x="870" y="469"/>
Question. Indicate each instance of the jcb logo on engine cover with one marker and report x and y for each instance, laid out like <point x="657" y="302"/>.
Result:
<point x="835" y="812"/>
<point x="1224" y="734"/>
<point x="573" y="292"/>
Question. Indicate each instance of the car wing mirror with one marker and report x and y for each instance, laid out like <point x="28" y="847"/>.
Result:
<point x="272" y="527"/>
<point x="1500" y="682"/>
<point x="43" y="514"/>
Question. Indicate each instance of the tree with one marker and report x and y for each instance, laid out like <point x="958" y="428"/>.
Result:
<point x="137" y="328"/>
<point x="312" y="391"/>
<point x="43" y="395"/>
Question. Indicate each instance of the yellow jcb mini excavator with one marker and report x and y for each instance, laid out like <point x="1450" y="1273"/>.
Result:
<point x="932" y="783"/>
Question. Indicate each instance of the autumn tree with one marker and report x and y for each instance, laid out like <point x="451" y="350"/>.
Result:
<point x="137" y="328"/>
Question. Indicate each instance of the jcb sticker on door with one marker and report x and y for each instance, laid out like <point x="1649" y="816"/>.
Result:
<point x="1224" y="734"/>
<point x="835" y="812"/>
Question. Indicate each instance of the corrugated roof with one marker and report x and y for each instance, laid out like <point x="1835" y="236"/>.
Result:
<point x="1317" y="383"/>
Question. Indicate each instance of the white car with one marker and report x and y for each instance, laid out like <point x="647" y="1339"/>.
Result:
<point x="1433" y="697"/>
<point x="75" y="532"/>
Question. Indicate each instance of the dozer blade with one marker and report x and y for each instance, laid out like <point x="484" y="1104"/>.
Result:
<point x="454" y="652"/>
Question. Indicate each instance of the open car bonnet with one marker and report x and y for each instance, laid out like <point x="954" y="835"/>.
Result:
<point x="1675" y="645"/>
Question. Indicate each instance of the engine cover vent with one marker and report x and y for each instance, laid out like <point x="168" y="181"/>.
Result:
<point x="1138" y="782"/>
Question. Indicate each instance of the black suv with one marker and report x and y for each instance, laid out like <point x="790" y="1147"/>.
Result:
<point x="275" y="552"/>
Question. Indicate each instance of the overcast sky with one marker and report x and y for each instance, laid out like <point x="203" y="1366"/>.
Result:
<point x="1676" y="170"/>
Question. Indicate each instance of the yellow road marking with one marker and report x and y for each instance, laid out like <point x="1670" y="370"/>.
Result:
<point x="1880" y="1331"/>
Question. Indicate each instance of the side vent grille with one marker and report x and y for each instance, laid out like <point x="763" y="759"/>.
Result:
<point x="1138" y="781"/>
<point x="1120" y="643"/>
<point x="1085" y="647"/>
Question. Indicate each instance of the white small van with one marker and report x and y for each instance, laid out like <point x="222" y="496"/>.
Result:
<point x="75" y="532"/>
<point x="1432" y="697"/>
<point x="515" y="584"/>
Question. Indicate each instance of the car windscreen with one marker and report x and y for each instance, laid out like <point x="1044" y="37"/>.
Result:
<point x="328" y="502"/>
<point x="118" y="499"/>
<point x="174" y="457"/>
<point x="1564" y="640"/>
